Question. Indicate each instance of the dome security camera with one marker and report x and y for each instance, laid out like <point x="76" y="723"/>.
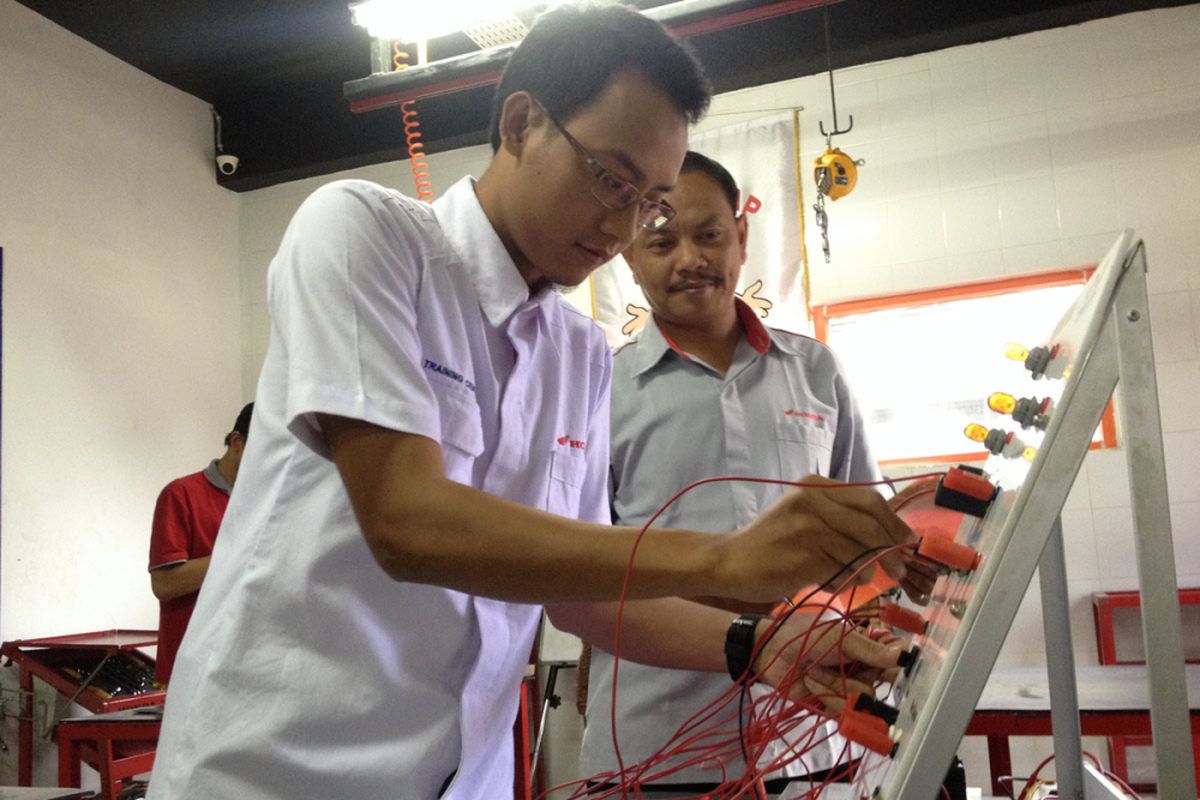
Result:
<point x="227" y="164"/>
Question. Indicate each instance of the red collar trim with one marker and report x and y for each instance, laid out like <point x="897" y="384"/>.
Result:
<point x="671" y="343"/>
<point x="756" y="332"/>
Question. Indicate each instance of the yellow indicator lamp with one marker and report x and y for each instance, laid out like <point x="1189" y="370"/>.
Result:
<point x="1016" y="352"/>
<point x="1002" y="403"/>
<point x="1028" y="453"/>
<point x="976" y="432"/>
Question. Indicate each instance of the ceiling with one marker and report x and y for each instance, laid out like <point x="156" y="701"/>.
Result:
<point x="276" y="71"/>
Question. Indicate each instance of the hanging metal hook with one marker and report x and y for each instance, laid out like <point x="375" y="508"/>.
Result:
<point x="837" y="131"/>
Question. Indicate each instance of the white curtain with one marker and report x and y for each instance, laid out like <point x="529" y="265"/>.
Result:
<point x="761" y="156"/>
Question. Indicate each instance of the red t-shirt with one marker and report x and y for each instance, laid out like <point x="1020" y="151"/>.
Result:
<point x="186" y="519"/>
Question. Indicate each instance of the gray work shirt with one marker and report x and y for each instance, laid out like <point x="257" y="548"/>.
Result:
<point x="783" y="410"/>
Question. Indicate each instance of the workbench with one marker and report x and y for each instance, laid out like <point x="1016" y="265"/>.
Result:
<point x="118" y="745"/>
<point x="1113" y="701"/>
<point x="46" y="658"/>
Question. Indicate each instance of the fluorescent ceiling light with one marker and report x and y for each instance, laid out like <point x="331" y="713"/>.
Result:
<point x="411" y="22"/>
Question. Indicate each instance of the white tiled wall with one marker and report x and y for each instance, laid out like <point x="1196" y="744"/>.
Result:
<point x="1001" y="158"/>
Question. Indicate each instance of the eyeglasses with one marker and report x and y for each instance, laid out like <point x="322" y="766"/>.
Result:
<point x="613" y="192"/>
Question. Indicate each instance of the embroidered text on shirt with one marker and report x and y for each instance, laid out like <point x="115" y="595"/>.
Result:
<point x="806" y="414"/>
<point x="433" y="366"/>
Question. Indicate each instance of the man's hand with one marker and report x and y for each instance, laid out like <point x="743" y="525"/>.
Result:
<point x="920" y="576"/>
<point x="823" y="660"/>
<point x="811" y="535"/>
<point x="919" y="579"/>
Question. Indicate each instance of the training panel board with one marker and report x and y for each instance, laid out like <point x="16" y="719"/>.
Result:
<point x="970" y="613"/>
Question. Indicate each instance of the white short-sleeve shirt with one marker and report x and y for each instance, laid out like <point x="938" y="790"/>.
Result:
<point x="783" y="410"/>
<point x="306" y="671"/>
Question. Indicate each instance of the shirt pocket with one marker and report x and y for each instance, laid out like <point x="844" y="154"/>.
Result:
<point x="565" y="485"/>
<point x="805" y="448"/>
<point x="462" y="433"/>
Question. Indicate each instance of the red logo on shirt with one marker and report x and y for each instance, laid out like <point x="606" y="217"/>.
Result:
<point x="791" y="412"/>
<point x="577" y="444"/>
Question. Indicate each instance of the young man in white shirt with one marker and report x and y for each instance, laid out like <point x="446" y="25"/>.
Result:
<point x="430" y="456"/>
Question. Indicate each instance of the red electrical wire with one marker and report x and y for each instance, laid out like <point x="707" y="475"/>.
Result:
<point x="702" y="739"/>
<point x="763" y="726"/>
<point x="1029" y="782"/>
<point x="912" y="497"/>
<point x="633" y="554"/>
<point x="1117" y="779"/>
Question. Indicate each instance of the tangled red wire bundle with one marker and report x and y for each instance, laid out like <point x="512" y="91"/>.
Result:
<point x="1032" y="782"/>
<point x="730" y="736"/>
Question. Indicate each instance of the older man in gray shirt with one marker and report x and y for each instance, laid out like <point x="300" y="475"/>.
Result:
<point x="707" y="390"/>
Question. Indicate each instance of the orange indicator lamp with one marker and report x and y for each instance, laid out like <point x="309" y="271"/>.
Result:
<point x="976" y="432"/>
<point x="1002" y="403"/>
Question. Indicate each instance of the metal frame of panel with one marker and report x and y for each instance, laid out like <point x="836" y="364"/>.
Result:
<point x="1103" y="337"/>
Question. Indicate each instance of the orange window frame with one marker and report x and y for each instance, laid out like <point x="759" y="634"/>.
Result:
<point x="822" y="314"/>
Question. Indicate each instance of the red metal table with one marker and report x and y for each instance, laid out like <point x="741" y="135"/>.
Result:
<point x="42" y="658"/>
<point x="1105" y="608"/>
<point x="118" y="745"/>
<point x="1112" y="701"/>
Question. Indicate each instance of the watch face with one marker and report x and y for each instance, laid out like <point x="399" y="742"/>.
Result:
<point x="739" y="645"/>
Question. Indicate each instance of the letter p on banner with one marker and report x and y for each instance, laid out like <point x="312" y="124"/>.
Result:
<point x="752" y="205"/>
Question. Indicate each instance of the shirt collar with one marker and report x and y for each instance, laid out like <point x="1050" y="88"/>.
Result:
<point x="491" y="270"/>
<point x="653" y="344"/>
<point x="213" y="473"/>
<point x="757" y="335"/>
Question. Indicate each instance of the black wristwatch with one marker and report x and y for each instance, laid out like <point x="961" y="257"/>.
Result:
<point x="739" y="645"/>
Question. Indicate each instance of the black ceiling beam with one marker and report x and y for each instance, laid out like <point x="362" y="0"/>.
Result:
<point x="276" y="72"/>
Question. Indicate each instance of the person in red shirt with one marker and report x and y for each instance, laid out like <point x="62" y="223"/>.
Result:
<point x="187" y="517"/>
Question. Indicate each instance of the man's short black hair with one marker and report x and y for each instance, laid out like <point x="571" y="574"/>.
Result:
<point x="572" y="53"/>
<point x="242" y="425"/>
<point x="698" y="162"/>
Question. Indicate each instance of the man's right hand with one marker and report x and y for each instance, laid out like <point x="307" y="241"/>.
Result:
<point x="810" y="535"/>
<point x="816" y="659"/>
